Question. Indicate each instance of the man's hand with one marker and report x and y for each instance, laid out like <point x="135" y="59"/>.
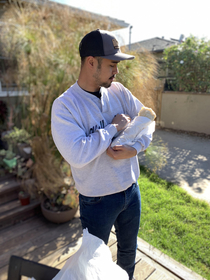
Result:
<point x="120" y="121"/>
<point x="121" y="152"/>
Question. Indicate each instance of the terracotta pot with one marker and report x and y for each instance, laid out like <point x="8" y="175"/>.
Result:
<point x="24" y="199"/>
<point x="60" y="216"/>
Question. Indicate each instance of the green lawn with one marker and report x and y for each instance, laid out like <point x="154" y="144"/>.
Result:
<point x="175" y="223"/>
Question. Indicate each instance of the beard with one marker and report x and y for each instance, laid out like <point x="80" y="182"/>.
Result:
<point x="99" y="82"/>
<point x="106" y="85"/>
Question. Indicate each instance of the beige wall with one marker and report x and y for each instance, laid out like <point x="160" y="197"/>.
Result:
<point x="186" y="111"/>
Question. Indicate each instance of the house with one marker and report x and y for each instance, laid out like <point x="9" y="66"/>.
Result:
<point x="157" y="46"/>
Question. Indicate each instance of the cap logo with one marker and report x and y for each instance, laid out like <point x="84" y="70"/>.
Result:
<point x="115" y="43"/>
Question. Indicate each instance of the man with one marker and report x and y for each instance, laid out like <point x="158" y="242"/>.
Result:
<point x="84" y="121"/>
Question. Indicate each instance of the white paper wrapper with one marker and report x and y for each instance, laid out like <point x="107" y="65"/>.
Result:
<point x="93" y="261"/>
<point x="134" y="130"/>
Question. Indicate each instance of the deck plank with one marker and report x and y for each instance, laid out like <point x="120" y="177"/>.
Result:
<point x="23" y="238"/>
<point x="9" y="206"/>
<point x="113" y="250"/>
<point x="143" y="270"/>
<point x="8" y="185"/>
<point x="158" y="275"/>
<point x="157" y="267"/>
<point x="43" y="242"/>
<point x="59" y="257"/>
<point x="53" y="241"/>
<point x="58" y="232"/>
<point x="21" y="228"/>
<point x="112" y="239"/>
<point x="3" y="272"/>
<point x="52" y="244"/>
<point x="168" y="263"/>
<point x="17" y="211"/>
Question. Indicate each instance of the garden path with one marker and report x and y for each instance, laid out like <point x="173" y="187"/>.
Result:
<point x="188" y="160"/>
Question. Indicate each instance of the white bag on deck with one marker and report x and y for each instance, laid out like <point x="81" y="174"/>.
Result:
<point x="93" y="261"/>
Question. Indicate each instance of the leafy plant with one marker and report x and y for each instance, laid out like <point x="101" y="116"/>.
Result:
<point x="23" y="194"/>
<point x="53" y="177"/>
<point x="15" y="164"/>
<point x="155" y="155"/>
<point x="17" y="135"/>
<point x="9" y="155"/>
<point x="190" y="65"/>
<point x="8" y="160"/>
<point x="10" y="164"/>
<point x="3" y="153"/>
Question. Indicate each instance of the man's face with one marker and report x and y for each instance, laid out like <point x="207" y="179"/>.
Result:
<point x="105" y="73"/>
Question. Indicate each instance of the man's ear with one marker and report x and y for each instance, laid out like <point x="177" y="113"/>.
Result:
<point x="91" y="62"/>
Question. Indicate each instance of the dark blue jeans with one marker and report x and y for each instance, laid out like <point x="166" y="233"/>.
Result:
<point x="123" y="210"/>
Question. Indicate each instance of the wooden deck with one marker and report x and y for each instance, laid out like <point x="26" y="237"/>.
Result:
<point x="47" y="243"/>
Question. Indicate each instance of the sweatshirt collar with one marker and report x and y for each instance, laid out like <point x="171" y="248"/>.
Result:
<point x="104" y="96"/>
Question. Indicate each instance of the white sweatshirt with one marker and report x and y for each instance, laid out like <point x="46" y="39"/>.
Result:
<point x="82" y="131"/>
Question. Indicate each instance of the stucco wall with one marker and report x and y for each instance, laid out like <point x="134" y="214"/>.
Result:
<point x="186" y="111"/>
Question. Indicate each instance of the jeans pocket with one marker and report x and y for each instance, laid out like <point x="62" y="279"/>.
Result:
<point x="89" y="200"/>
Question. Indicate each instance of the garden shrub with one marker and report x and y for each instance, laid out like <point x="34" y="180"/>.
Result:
<point x="190" y="65"/>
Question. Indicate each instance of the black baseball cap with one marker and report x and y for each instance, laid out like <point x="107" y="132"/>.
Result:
<point x="102" y="43"/>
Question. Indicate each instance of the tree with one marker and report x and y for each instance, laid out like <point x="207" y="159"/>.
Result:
<point x="190" y="65"/>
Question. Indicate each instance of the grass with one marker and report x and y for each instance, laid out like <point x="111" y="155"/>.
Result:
<point x="175" y="223"/>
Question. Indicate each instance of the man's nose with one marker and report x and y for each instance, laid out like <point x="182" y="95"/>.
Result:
<point x="116" y="71"/>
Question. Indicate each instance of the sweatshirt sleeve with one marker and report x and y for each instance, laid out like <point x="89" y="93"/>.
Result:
<point x="71" y="140"/>
<point x="143" y="143"/>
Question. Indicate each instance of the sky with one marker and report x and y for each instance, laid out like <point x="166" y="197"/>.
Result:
<point x="153" y="18"/>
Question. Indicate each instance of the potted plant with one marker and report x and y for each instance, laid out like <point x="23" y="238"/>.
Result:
<point x="8" y="160"/>
<point x="54" y="182"/>
<point x="15" y="165"/>
<point x="24" y="197"/>
<point x="18" y="141"/>
<point x="28" y="190"/>
<point x="62" y="207"/>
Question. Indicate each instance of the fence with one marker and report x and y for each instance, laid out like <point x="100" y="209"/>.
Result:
<point x="185" y="111"/>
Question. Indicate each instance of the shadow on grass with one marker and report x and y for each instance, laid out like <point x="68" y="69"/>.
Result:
<point x="153" y="177"/>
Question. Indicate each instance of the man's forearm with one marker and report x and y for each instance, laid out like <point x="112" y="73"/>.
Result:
<point x="121" y="152"/>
